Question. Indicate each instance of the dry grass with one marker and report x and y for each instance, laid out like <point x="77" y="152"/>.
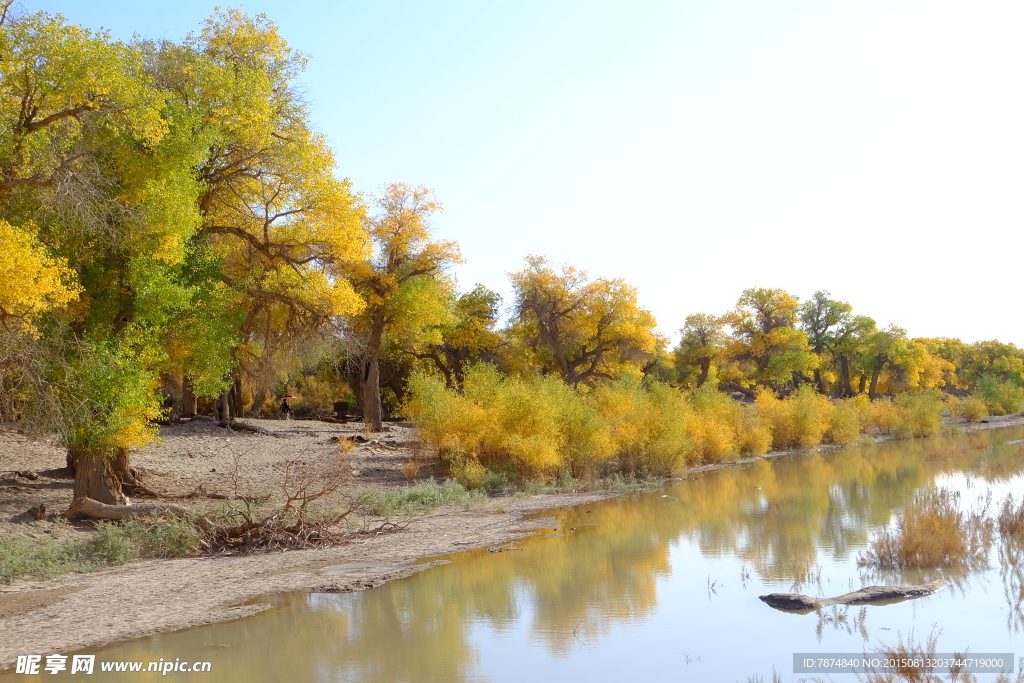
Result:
<point x="909" y="651"/>
<point x="1010" y="521"/>
<point x="411" y="469"/>
<point x="932" y="532"/>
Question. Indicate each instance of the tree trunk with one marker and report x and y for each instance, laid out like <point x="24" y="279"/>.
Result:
<point x="225" y="405"/>
<point x="705" y="368"/>
<point x="844" y="373"/>
<point x="818" y="382"/>
<point x="98" y="510"/>
<point x="742" y="389"/>
<point x="863" y="382"/>
<point x="874" y="384"/>
<point x="95" y="476"/>
<point x="237" y="395"/>
<point x="372" y="411"/>
<point x="188" y="398"/>
<point x="369" y="377"/>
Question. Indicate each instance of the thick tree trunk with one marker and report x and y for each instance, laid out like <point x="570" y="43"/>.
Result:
<point x="818" y="382"/>
<point x="188" y="398"/>
<point x="258" y="399"/>
<point x="863" y="382"/>
<point x="844" y="373"/>
<point x="369" y="377"/>
<point x="96" y="476"/>
<point x="236" y="391"/>
<point x="98" y="510"/>
<point x="370" y="399"/>
<point x="742" y="389"/>
<point x="225" y="405"/>
<point x="705" y="368"/>
<point x="874" y="384"/>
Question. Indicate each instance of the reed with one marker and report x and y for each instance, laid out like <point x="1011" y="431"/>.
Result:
<point x="932" y="532"/>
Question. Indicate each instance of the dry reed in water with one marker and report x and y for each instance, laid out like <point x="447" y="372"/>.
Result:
<point x="932" y="532"/>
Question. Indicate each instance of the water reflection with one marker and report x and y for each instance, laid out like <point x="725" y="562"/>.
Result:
<point x="776" y="521"/>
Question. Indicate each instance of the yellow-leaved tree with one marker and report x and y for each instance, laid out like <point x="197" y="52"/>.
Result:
<point x="765" y="339"/>
<point x="32" y="281"/>
<point x="584" y="331"/>
<point x="701" y="347"/>
<point x="402" y="284"/>
<point x="283" y="226"/>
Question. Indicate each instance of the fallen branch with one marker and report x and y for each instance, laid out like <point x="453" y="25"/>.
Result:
<point x="94" y="508"/>
<point x="251" y="429"/>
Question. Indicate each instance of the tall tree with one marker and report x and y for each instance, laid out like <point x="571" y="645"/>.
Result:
<point x="468" y="334"/>
<point x="701" y="346"/>
<point x="399" y="284"/>
<point x="283" y="225"/>
<point x="583" y="330"/>
<point x="97" y="164"/>
<point x="885" y="350"/>
<point x="849" y="345"/>
<point x="765" y="337"/>
<point x="821" y="317"/>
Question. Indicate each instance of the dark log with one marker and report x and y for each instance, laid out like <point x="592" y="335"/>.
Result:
<point x="797" y="602"/>
<point x="98" y="510"/>
<point x="742" y="389"/>
<point x="251" y="429"/>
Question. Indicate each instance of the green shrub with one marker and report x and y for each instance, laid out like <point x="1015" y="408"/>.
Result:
<point x="1000" y="397"/>
<point x="422" y="496"/>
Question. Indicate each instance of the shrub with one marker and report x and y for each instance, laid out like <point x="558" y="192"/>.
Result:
<point x="931" y="532"/>
<point x="974" y="409"/>
<point x="844" y="423"/>
<point x="797" y="422"/>
<point x="883" y="415"/>
<point x="1000" y="397"/>
<point x="648" y="426"/>
<point x="420" y="497"/>
<point x="919" y="414"/>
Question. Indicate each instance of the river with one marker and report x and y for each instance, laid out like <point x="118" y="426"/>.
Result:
<point x="658" y="585"/>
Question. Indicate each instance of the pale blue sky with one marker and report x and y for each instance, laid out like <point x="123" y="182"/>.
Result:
<point x="872" y="148"/>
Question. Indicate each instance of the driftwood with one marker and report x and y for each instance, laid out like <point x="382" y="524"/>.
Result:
<point x="98" y="510"/>
<point x="338" y="420"/>
<point x="797" y="602"/>
<point x="251" y="429"/>
<point x="742" y="389"/>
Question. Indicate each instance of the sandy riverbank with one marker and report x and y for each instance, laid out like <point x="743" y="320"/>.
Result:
<point x="82" y="611"/>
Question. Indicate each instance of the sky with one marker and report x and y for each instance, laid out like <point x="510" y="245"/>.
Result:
<point x="870" y="148"/>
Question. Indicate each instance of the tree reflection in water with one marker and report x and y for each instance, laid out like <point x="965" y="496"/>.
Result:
<point x="781" y="519"/>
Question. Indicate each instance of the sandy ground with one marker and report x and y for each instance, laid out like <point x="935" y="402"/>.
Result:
<point x="81" y="611"/>
<point x="88" y="610"/>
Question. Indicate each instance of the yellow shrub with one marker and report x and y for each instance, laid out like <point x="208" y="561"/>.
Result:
<point x="974" y="409"/>
<point x="954" y="406"/>
<point x="883" y="416"/>
<point x="753" y="437"/>
<point x="796" y="422"/>
<point x="919" y="414"/>
<point x="844" y="423"/>
<point x="648" y="426"/>
<point x="713" y="425"/>
<point x="587" y="438"/>
<point x="861" y="404"/>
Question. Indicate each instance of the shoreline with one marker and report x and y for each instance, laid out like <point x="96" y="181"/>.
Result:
<point x="82" y="611"/>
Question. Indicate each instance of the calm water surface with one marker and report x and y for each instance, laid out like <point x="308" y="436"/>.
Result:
<point x="658" y="585"/>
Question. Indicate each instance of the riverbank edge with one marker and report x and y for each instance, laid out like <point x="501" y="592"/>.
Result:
<point x="88" y="611"/>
